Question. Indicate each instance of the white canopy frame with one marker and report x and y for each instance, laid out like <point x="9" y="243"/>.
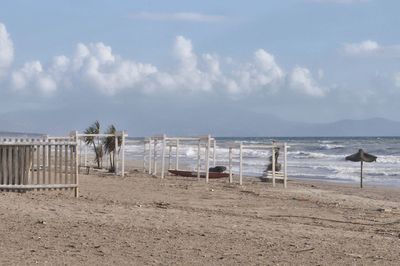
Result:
<point x="273" y="148"/>
<point x="150" y="151"/>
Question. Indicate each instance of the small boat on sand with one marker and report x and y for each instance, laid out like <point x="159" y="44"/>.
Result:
<point x="202" y="174"/>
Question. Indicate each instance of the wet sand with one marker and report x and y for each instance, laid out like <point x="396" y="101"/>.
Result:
<point x="143" y="220"/>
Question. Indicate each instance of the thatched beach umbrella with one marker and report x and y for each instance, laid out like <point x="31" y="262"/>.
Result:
<point x="361" y="156"/>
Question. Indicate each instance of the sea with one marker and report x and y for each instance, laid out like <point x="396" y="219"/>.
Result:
<point x="312" y="158"/>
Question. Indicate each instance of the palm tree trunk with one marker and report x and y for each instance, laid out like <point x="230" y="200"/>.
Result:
<point x="111" y="164"/>
<point x="96" y="152"/>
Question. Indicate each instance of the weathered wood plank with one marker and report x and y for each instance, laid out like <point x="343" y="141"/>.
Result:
<point x="49" y="172"/>
<point x="76" y="171"/>
<point x="37" y="181"/>
<point x="55" y="164"/>
<point x="4" y="161"/>
<point x="1" y="166"/>
<point x="44" y="162"/>
<point x="14" y="177"/>
<point x="9" y="161"/>
<point x="65" y="164"/>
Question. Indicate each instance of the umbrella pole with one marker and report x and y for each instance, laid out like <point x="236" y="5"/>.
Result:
<point x="361" y="184"/>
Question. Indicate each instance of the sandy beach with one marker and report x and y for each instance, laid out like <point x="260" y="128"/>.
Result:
<point x="143" y="220"/>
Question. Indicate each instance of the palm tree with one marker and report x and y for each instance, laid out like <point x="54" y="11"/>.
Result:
<point x="98" y="150"/>
<point x="109" y="146"/>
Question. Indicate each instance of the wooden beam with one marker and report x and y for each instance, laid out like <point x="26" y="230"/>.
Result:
<point x="230" y="165"/>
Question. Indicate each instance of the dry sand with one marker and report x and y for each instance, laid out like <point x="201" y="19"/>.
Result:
<point x="142" y="220"/>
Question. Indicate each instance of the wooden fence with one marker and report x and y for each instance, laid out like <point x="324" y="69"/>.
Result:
<point x="30" y="165"/>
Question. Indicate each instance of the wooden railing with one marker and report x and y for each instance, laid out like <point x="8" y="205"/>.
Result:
<point x="29" y="165"/>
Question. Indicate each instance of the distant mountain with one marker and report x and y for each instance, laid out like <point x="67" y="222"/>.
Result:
<point x="6" y="134"/>
<point x="346" y="128"/>
<point x="148" y="120"/>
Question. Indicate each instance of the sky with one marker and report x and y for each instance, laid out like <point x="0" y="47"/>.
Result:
<point x="173" y="66"/>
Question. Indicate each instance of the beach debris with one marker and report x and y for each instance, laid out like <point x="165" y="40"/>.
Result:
<point x="384" y="210"/>
<point x="304" y="250"/>
<point x="41" y="222"/>
<point x="357" y="256"/>
<point x="361" y="156"/>
<point x="161" y="204"/>
<point x="217" y="169"/>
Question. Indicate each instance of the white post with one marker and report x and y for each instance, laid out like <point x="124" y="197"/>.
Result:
<point x="150" y="157"/>
<point x="76" y="166"/>
<point x="177" y="155"/>
<point x="164" y="143"/>
<point x="214" y="150"/>
<point x="230" y="165"/>
<point x="123" y="154"/>
<point x="155" y="158"/>
<point x="273" y="164"/>
<point x="115" y="153"/>
<point x="80" y="151"/>
<point x="144" y="156"/>
<point x="169" y="156"/>
<point x="208" y="157"/>
<point x="86" y="151"/>
<point x="198" y="160"/>
<point x="285" y="170"/>
<point x="241" y="164"/>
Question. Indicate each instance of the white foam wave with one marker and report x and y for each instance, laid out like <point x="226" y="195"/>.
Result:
<point x="331" y="146"/>
<point x="389" y="159"/>
<point x="313" y="155"/>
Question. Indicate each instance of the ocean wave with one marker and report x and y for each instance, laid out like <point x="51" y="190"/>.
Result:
<point x="331" y="146"/>
<point x="389" y="159"/>
<point x="313" y="155"/>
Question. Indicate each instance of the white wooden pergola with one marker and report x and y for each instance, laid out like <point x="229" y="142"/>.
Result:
<point x="150" y="151"/>
<point x="272" y="147"/>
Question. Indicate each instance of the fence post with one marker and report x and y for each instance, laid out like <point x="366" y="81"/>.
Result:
<point x="177" y="155"/>
<point x="150" y="156"/>
<point x="241" y="163"/>
<point x="285" y="170"/>
<point x="144" y="156"/>
<point x="208" y="157"/>
<point x="123" y="154"/>
<point x="164" y="143"/>
<point x="198" y="159"/>
<point x="230" y="165"/>
<point x="155" y="157"/>
<point x="273" y="164"/>
<point x="214" y="152"/>
<point x="116" y="157"/>
<point x="76" y="165"/>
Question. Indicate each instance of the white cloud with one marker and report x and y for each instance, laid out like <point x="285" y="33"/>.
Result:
<point x="301" y="80"/>
<point x="369" y="48"/>
<point x="396" y="78"/>
<point x="365" y="47"/>
<point x="180" y="16"/>
<point x="93" y="66"/>
<point x="184" y="52"/>
<point x="205" y="72"/>
<point x="6" y="50"/>
<point x="102" y="70"/>
<point x="96" y="67"/>
<point x="32" y="76"/>
<point x="262" y="74"/>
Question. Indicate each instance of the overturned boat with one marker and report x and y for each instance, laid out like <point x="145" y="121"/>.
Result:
<point x="214" y="172"/>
